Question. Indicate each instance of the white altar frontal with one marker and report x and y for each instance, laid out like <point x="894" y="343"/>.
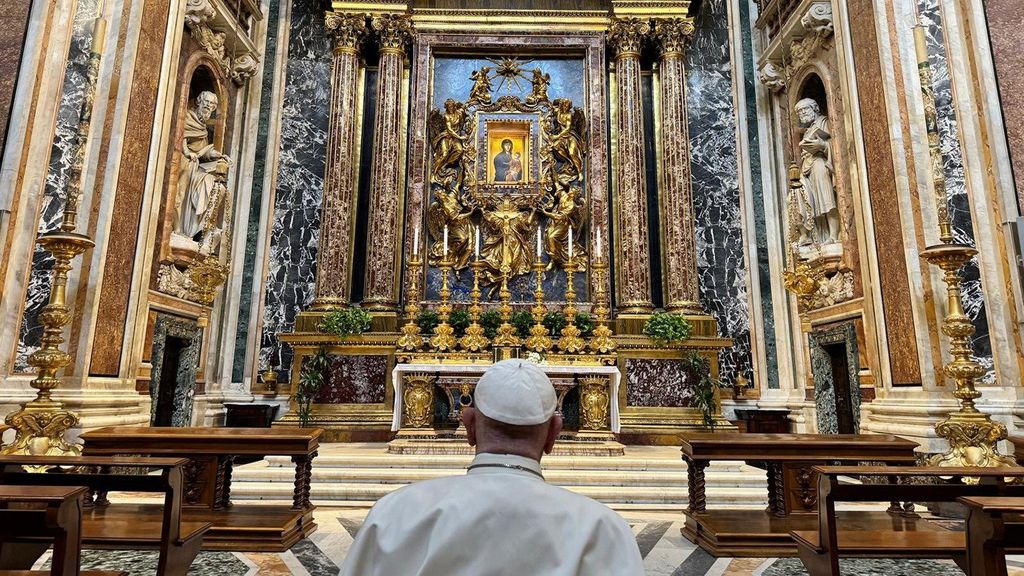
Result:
<point x="429" y="399"/>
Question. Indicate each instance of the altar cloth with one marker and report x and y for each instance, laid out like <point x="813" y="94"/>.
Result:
<point x="552" y="370"/>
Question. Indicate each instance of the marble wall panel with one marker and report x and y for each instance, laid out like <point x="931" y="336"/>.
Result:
<point x="355" y="380"/>
<point x="897" y="312"/>
<point x="1006" y="33"/>
<point x="61" y="155"/>
<point x="188" y="366"/>
<point x="256" y="203"/>
<point x="721" y="266"/>
<point x="657" y="382"/>
<point x="756" y="210"/>
<point x="956" y="188"/>
<point x="295" y="225"/>
<point x="824" y="383"/>
<point x="12" y="44"/>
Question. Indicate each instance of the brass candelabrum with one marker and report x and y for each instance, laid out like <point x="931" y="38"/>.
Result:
<point x="972" y="435"/>
<point x="539" y="341"/>
<point x="411" y="340"/>
<point x="444" y="335"/>
<point x="601" y="341"/>
<point x="474" y="340"/>
<point x="570" y="342"/>
<point x="42" y="422"/>
<point x="507" y="335"/>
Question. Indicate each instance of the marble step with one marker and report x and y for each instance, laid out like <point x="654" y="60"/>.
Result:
<point x="352" y="494"/>
<point x="559" y="476"/>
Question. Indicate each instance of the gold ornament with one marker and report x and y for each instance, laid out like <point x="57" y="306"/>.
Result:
<point x="474" y="340"/>
<point x="539" y="341"/>
<point x="410" y="340"/>
<point x="570" y="342"/>
<point x="594" y="402"/>
<point x="444" y="335"/>
<point x="507" y="335"/>
<point x="601" y="342"/>
<point x="418" y="400"/>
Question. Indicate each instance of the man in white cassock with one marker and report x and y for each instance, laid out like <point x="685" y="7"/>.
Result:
<point x="501" y="518"/>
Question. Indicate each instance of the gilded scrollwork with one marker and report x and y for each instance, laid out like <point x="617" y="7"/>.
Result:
<point x="672" y="34"/>
<point x="393" y="31"/>
<point x="348" y="30"/>
<point x="627" y="35"/>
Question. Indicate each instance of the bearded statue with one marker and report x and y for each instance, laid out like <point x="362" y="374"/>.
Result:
<point x="201" y="182"/>
<point x="817" y="174"/>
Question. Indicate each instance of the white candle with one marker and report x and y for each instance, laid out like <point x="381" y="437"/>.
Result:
<point x="538" y="243"/>
<point x="476" y="243"/>
<point x="445" y="239"/>
<point x="570" y="242"/>
<point x="598" y="242"/>
<point x="416" y="241"/>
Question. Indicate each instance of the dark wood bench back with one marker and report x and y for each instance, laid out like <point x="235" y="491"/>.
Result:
<point x="168" y="481"/>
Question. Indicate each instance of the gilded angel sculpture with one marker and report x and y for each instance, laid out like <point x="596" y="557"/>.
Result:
<point x="568" y="211"/>
<point x="447" y="144"/>
<point x="447" y="210"/>
<point x="566" y="131"/>
<point x="481" y="91"/>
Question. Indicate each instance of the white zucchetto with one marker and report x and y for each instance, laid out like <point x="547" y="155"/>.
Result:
<point x="516" y="392"/>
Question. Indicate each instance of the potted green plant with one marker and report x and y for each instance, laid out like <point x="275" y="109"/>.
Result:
<point x="459" y="320"/>
<point x="667" y="328"/>
<point x="345" y="322"/>
<point x="427" y="320"/>
<point x="523" y="321"/>
<point x="554" y="322"/>
<point x="311" y="380"/>
<point x="585" y="322"/>
<point x="490" y="320"/>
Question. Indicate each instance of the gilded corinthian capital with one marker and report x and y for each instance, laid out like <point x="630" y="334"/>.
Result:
<point x="627" y="34"/>
<point x="348" y="30"/>
<point x="393" y="30"/>
<point x="672" y="34"/>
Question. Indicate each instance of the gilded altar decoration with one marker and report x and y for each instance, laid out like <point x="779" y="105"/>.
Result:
<point x="594" y="402"/>
<point x="511" y="167"/>
<point x="418" y="400"/>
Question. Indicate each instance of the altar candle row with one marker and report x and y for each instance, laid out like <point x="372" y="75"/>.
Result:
<point x="476" y="242"/>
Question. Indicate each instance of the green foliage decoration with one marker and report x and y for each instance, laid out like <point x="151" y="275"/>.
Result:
<point x="523" y="321"/>
<point x="698" y="370"/>
<point x="667" y="328"/>
<point x="427" y="320"/>
<point x="459" y="320"/>
<point x="554" y="322"/>
<point x="585" y="322"/>
<point x="311" y="380"/>
<point x="345" y="322"/>
<point x="490" y="320"/>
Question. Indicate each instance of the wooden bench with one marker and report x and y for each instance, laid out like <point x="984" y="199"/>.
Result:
<point x="50" y="511"/>
<point x="211" y="454"/>
<point x="792" y="495"/>
<point x="993" y="525"/>
<point x="821" y="549"/>
<point x="122" y="526"/>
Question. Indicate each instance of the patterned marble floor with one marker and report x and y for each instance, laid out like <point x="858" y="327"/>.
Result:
<point x="665" y="552"/>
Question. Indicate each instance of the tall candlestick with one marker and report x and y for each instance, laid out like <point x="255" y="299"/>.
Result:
<point x="416" y="241"/>
<point x="476" y="241"/>
<point x="446" y="240"/>
<point x="570" y="242"/>
<point x="598" y="251"/>
<point x="538" y="243"/>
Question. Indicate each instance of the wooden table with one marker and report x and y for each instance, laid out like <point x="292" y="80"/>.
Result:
<point x="212" y="453"/>
<point x="989" y="534"/>
<point x="792" y="485"/>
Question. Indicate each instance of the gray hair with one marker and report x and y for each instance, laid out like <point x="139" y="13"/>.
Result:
<point x="809" y="103"/>
<point x="206" y="96"/>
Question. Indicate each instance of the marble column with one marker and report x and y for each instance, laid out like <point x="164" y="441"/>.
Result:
<point x="337" y="223"/>
<point x="386" y="191"/>
<point x="678" y="248"/>
<point x="633" y="278"/>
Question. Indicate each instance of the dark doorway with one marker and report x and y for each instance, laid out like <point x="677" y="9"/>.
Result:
<point x="164" y="412"/>
<point x="841" y="385"/>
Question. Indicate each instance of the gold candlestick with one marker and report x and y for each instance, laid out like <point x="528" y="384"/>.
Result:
<point x="507" y="335"/>
<point x="444" y="335"/>
<point x="570" y="342"/>
<point x="601" y="342"/>
<point x="410" y="339"/>
<point x="539" y="341"/>
<point x="474" y="340"/>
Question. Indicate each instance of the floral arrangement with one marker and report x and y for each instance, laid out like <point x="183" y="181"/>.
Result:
<point x="667" y="328"/>
<point x="345" y="322"/>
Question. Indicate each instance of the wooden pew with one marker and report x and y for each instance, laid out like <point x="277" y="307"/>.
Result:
<point x="122" y="526"/>
<point x="50" y="511"/>
<point x="992" y="527"/>
<point x="821" y="549"/>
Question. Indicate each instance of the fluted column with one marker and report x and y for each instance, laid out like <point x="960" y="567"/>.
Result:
<point x="633" y="278"/>
<point x="337" y="224"/>
<point x="678" y="248"/>
<point x="382" y="258"/>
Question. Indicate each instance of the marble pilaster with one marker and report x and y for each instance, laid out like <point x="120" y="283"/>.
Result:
<point x="677" y="224"/>
<point x="386" y="191"/>
<point x="337" y="225"/>
<point x="633" y="278"/>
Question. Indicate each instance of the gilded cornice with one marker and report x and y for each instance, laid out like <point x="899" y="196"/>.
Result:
<point x="394" y="31"/>
<point x="672" y="34"/>
<point x="651" y="8"/>
<point x="627" y="34"/>
<point x="348" y="30"/>
<point x="480" y="20"/>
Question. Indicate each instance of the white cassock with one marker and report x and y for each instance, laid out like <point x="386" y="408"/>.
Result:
<point x="494" y="521"/>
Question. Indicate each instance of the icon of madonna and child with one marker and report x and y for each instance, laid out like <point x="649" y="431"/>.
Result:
<point x="508" y="152"/>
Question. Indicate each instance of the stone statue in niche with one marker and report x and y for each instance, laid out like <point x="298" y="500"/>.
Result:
<point x="819" y="211"/>
<point x="204" y="170"/>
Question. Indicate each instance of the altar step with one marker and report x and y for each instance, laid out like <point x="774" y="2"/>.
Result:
<point x="647" y="477"/>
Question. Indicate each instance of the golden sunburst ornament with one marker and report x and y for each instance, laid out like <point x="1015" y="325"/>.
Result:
<point x="510" y="70"/>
